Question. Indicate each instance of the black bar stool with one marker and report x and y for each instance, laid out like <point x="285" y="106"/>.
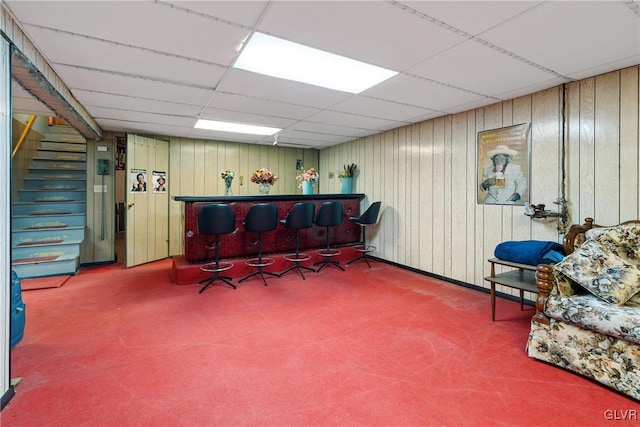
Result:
<point x="261" y="218"/>
<point x="216" y="220"/>
<point x="330" y="214"/>
<point x="299" y="217"/>
<point x="369" y="217"/>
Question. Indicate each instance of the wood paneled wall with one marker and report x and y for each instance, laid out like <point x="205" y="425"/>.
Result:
<point x="425" y="175"/>
<point x="195" y="166"/>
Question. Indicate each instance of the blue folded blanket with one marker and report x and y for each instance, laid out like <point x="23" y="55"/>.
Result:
<point x="531" y="252"/>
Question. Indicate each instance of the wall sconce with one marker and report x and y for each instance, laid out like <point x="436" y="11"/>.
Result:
<point x="241" y="179"/>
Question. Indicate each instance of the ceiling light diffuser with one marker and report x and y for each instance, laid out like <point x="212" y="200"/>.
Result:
<point x="292" y="61"/>
<point x="235" y="127"/>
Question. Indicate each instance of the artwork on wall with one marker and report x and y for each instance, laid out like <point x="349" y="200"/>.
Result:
<point x="139" y="180"/>
<point x="159" y="182"/>
<point x="503" y="165"/>
<point x="121" y="150"/>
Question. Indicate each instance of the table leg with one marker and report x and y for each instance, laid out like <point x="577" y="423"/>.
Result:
<point x="493" y="301"/>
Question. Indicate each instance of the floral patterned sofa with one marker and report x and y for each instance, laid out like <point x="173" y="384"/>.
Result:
<point x="588" y="307"/>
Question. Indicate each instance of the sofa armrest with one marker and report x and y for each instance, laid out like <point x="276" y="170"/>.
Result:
<point x="544" y="283"/>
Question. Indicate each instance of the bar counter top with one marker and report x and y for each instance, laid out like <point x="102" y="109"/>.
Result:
<point x="244" y="244"/>
<point x="268" y="198"/>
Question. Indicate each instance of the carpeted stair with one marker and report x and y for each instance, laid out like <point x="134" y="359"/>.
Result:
<point x="49" y="217"/>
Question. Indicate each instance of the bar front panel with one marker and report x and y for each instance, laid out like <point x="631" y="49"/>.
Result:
<point x="243" y="244"/>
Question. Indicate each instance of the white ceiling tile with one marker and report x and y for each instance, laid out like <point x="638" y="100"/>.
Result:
<point x="353" y="120"/>
<point x="140" y="23"/>
<point x="472" y="17"/>
<point x="420" y="93"/>
<point x="568" y="36"/>
<point x="63" y="48"/>
<point x="242" y="12"/>
<point x="132" y="103"/>
<point x="498" y="73"/>
<point x="260" y="106"/>
<point x="373" y="32"/>
<point x="379" y="108"/>
<point x="260" y="86"/>
<point x="330" y="129"/>
<point x="159" y="129"/>
<point x="145" y="88"/>
<point x="101" y="113"/>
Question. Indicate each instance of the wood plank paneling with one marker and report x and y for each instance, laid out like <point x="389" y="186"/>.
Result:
<point x="629" y="144"/>
<point x="427" y="174"/>
<point x="195" y="166"/>
<point x="607" y="148"/>
<point x="586" y="179"/>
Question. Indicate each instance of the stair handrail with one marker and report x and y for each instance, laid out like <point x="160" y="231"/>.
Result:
<point x="24" y="135"/>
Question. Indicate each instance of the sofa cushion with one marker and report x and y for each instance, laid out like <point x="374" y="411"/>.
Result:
<point x="589" y="312"/>
<point x="607" y="264"/>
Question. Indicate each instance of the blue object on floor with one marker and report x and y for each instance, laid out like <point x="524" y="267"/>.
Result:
<point x="17" y="310"/>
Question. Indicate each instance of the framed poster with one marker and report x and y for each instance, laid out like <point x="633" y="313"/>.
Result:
<point x="159" y="181"/>
<point x="503" y="165"/>
<point x="138" y="180"/>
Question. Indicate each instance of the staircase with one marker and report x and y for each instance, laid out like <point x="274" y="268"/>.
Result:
<point x="49" y="217"/>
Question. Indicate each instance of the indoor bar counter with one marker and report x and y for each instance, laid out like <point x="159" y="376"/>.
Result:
<point x="241" y="244"/>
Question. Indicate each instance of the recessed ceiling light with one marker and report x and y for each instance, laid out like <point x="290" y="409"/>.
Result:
<point x="287" y="60"/>
<point x="235" y="127"/>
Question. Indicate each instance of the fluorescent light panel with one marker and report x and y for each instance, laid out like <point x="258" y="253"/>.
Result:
<point x="235" y="127"/>
<point x="286" y="60"/>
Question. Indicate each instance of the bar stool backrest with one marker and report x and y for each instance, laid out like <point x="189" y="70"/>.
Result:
<point x="300" y="216"/>
<point x="370" y="216"/>
<point x="261" y="217"/>
<point x="330" y="214"/>
<point x="216" y="219"/>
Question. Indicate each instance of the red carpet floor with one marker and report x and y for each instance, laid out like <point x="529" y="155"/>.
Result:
<point x="43" y="283"/>
<point x="366" y="347"/>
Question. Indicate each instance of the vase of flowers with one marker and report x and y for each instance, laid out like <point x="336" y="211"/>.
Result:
<point x="306" y="180"/>
<point x="264" y="178"/>
<point x="346" y="178"/>
<point x="227" y="176"/>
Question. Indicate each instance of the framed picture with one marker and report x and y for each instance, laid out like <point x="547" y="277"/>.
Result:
<point x="121" y="152"/>
<point x="503" y="165"/>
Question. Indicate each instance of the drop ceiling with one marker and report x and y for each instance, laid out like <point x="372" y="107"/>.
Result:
<point x="155" y="67"/>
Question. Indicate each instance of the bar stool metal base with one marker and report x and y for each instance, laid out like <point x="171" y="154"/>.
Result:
<point x="259" y="263"/>
<point x="216" y="268"/>
<point x="297" y="259"/>
<point x="364" y="250"/>
<point x="327" y="254"/>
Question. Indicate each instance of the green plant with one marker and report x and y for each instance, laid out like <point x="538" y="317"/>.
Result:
<point x="348" y="171"/>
